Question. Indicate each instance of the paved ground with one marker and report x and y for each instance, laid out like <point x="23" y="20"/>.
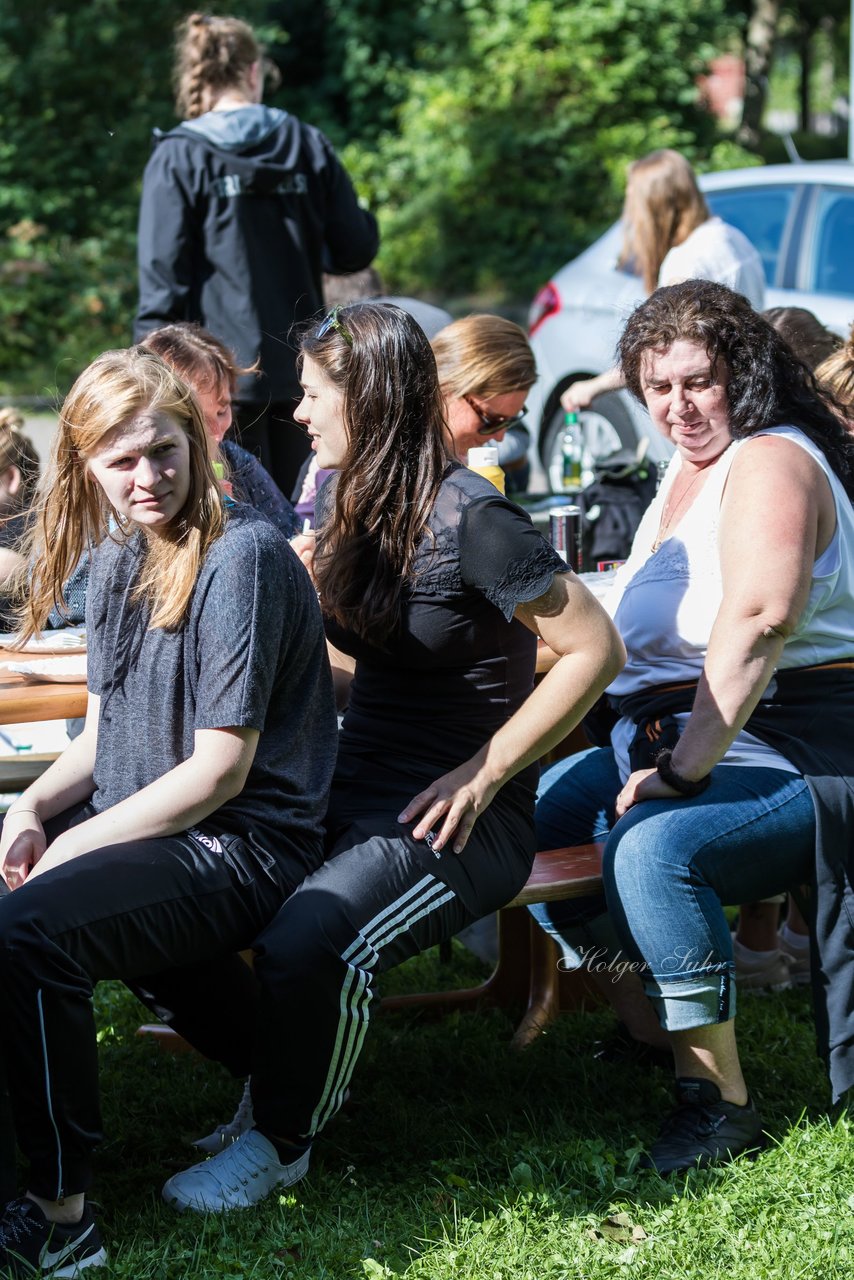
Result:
<point x="40" y="428"/>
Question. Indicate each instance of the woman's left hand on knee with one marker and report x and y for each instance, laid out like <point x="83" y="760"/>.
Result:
<point x="643" y="784"/>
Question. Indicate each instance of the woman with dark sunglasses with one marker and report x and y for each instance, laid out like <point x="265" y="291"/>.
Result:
<point x="433" y="588"/>
<point x="486" y="369"/>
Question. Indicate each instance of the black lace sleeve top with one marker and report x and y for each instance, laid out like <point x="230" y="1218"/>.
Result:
<point x="461" y="664"/>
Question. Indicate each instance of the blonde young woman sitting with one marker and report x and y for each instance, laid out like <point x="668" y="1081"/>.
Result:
<point x="189" y="808"/>
<point x="486" y="368"/>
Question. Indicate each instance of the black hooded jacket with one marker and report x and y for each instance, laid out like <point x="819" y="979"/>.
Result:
<point x="241" y="212"/>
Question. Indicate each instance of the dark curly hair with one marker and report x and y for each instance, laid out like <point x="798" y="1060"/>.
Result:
<point x="396" y="457"/>
<point x="768" y="385"/>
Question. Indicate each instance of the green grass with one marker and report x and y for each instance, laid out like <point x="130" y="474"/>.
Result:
<point x="458" y="1158"/>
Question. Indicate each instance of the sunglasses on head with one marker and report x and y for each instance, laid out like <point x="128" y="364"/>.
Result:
<point x="494" y="421"/>
<point x="331" y="321"/>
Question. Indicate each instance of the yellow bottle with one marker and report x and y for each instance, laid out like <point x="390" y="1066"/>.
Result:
<point x="484" y="460"/>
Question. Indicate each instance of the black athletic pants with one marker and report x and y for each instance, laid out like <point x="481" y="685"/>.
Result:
<point x="128" y="911"/>
<point x="380" y="898"/>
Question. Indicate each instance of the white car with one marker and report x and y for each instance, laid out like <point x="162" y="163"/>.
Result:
<point x="801" y="219"/>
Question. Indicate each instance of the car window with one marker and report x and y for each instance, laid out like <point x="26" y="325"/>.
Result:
<point x="831" y="269"/>
<point x="761" y="214"/>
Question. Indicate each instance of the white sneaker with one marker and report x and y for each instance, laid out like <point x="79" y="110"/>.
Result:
<point x="239" y="1176"/>
<point x="224" y="1134"/>
<point x="761" y="970"/>
<point x="800" y="966"/>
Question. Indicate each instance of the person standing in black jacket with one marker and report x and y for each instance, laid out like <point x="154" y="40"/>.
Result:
<point x="243" y="206"/>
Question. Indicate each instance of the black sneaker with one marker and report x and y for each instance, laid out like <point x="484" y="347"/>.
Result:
<point x="621" y="1049"/>
<point x="703" y="1130"/>
<point x="32" y="1246"/>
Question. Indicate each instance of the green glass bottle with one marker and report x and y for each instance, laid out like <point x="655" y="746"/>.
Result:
<point x="571" y="453"/>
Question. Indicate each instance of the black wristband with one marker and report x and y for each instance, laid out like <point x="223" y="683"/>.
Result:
<point x="685" y="786"/>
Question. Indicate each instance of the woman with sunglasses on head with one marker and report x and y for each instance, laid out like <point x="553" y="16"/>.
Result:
<point x="173" y="827"/>
<point x="434" y="588"/>
<point x="486" y="368"/>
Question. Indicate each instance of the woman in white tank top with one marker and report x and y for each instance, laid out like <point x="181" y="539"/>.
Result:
<point x="729" y="764"/>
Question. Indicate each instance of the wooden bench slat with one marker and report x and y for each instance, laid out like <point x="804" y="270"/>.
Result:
<point x="527" y="961"/>
<point x="557" y="874"/>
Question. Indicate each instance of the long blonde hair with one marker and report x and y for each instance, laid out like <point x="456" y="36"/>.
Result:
<point x="483" y="355"/>
<point x="76" y="517"/>
<point x="837" y="373"/>
<point x="663" y="206"/>
<point x="212" y="55"/>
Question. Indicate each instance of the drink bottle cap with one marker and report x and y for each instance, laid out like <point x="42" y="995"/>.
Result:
<point x="484" y="456"/>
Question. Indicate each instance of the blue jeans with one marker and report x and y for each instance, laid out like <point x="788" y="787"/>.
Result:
<point x="668" y="867"/>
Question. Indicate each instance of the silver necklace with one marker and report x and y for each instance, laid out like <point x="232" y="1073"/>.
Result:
<point x="668" y="516"/>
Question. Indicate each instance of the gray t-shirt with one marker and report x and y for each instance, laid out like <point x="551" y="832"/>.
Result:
<point x="250" y="654"/>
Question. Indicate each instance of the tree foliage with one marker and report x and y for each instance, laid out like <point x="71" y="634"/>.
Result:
<point x="762" y="32"/>
<point x="81" y="87"/>
<point x="511" y="147"/>
<point x="491" y="136"/>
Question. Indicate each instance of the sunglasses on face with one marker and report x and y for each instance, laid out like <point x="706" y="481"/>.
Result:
<point x="331" y="321"/>
<point x="493" y="422"/>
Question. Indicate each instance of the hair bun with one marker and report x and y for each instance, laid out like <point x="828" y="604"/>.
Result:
<point x="12" y="419"/>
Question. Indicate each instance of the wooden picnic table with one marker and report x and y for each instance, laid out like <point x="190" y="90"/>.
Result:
<point x="22" y="700"/>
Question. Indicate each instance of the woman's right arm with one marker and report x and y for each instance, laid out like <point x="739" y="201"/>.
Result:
<point x="68" y="781"/>
<point x="579" y="395"/>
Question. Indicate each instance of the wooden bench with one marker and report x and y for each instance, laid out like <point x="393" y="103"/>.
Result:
<point x="19" y="770"/>
<point x="527" y="974"/>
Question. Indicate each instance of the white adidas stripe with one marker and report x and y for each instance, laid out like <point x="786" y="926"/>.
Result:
<point x="49" y="1093"/>
<point x="361" y="957"/>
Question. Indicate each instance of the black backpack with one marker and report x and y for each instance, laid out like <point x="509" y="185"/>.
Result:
<point x="612" y="506"/>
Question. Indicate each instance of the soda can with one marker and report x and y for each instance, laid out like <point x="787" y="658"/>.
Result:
<point x="565" y="534"/>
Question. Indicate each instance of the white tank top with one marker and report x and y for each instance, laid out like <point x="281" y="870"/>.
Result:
<point x="665" y="603"/>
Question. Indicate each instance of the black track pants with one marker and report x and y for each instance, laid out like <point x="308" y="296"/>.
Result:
<point x="128" y="911"/>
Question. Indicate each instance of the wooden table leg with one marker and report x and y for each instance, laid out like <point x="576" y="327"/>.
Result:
<point x="165" y="1038"/>
<point x="543" y="1004"/>
<point x="505" y="986"/>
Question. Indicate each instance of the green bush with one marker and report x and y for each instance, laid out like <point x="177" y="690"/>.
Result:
<point x="62" y="301"/>
<point x="490" y="136"/>
<point x="81" y="87"/>
<point x="510" y="158"/>
<point x="809" y="146"/>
